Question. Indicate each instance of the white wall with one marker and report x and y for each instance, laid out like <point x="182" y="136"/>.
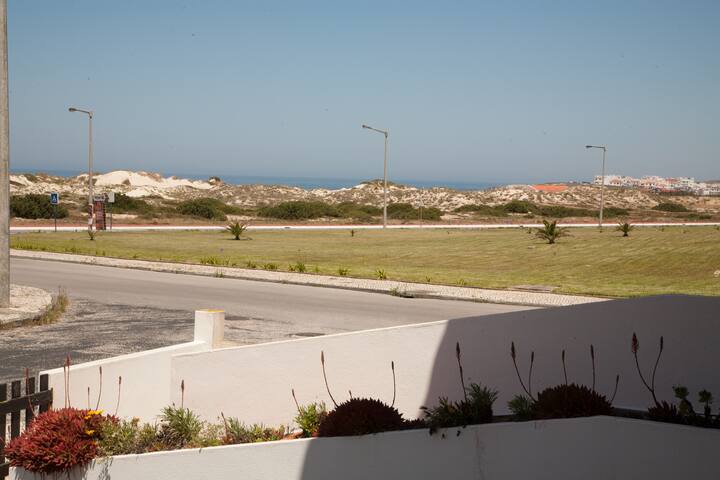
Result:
<point x="145" y="375"/>
<point x="254" y="382"/>
<point x="587" y="448"/>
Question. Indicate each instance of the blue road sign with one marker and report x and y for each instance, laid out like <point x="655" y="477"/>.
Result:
<point x="54" y="198"/>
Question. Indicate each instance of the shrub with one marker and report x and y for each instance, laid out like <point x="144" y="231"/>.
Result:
<point x="58" y="440"/>
<point x="475" y="408"/>
<point x="670" y="207"/>
<point x="480" y="209"/>
<point x="211" y="260"/>
<point x="551" y="232"/>
<point x="612" y="212"/>
<point x="380" y="274"/>
<point x="270" y="266"/>
<point x="560" y="211"/>
<point x="521" y="407"/>
<point x="299" y="210"/>
<point x="519" y="206"/>
<point x="127" y="437"/>
<point x="209" y="208"/>
<point x="126" y="204"/>
<point x="405" y="211"/>
<point x="569" y="401"/>
<point x="360" y="416"/>
<point x="343" y="272"/>
<point x="33" y="206"/>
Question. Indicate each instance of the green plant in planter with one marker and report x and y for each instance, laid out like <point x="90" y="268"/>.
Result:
<point x="361" y="416"/>
<point x="237" y="432"/>
<point x="475" y="408"/>
<point x="179" y="427"/>
<point x="309" y="416"/>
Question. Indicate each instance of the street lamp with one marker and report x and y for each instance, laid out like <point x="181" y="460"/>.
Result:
<point x="384" y="132"/>
<point x="89" y="113"/>
<point x="602" y="181"/>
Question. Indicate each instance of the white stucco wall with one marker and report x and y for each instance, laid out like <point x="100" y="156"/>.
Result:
<point x="588" y="448"/>
<point x="145" y="375"/>
<point x="254" y="382"/>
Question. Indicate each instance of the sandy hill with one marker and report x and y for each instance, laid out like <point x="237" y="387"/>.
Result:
<point x="147" y="184"/>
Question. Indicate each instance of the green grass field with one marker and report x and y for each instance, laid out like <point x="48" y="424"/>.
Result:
<point x="650" y="261"/>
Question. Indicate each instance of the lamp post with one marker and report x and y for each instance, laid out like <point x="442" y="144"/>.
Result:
<point x="384" y="132"/>
<point x="602" y="181"/>
<point x="4" y="163"/>
<point x="89" y="113"/>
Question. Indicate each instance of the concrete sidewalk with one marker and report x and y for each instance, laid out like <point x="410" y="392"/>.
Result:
<point x="417" y="290"/>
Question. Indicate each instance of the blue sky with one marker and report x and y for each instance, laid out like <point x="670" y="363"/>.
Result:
<point x="470" y="91"/>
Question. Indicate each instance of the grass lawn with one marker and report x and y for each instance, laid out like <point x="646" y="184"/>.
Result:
<point x="650" y="261"/>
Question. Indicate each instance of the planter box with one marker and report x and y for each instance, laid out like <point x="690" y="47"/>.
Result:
<point x="587" y="448"/>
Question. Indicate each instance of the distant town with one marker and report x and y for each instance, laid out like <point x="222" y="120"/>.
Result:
<point x="662" y="185"/>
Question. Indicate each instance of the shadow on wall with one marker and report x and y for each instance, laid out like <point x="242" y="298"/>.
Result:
<point x="690" y="326"/>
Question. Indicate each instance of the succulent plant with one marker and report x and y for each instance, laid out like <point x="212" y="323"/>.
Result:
<point x="360" y="416"/>
<point x="568" y="401"/>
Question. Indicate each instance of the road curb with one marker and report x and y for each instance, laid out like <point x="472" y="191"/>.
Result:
<point x="390" y="287"/>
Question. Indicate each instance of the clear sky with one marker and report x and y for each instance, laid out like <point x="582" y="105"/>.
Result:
<point x="470" y="91"/>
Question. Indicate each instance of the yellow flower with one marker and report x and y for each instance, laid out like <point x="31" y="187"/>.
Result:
<point x="89" y="433"/>
<point x="92" y="413"/>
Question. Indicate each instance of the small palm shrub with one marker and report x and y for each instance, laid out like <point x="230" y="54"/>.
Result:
<point x="625" y="228"/>
<point x="380" y="274"/>
<point x="550" y="232"/>
<point x="236" y="229"/>
<point x="343" y="272"/>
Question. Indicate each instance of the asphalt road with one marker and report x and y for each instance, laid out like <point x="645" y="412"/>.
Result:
<point x="310" y="308"/>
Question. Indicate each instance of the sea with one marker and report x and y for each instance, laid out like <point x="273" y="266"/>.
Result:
<point x="303" y="182"/>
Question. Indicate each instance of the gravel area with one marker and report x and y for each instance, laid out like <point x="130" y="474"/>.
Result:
<point x="419" y="290"/>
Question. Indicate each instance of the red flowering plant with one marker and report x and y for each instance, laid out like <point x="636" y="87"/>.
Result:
<point x="58" y="440"/>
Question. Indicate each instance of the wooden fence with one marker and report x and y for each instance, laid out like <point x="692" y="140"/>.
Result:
<point x="21" y="408"/>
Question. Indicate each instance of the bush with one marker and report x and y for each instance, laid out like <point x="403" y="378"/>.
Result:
<point x="612" y="212"/>
<point x="58" y="440"/>
<point x="476" y="408"/>
<point x="210" y="208"/>
<point x="361" y="416"/>
<point x="34" y="206"/>
<point x="125" y="204"/>
<point x="550" y="232"/>
<point x="299" y="210"/>
<point x="519" y="206"/>
<point x="405" y="211"/>
<point x="357" y="211"/>
<point x="670" y="207"/>
<point x="480" y="209"/>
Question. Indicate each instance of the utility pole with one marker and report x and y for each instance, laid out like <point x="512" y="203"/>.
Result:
<point x="4" y="163"/>
<point x="91" y="200"/>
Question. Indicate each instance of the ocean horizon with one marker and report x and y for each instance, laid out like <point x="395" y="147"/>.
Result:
<point x="302" y="182"/>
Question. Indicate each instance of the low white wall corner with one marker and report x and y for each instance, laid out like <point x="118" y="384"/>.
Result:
<point x="210" y="327"/>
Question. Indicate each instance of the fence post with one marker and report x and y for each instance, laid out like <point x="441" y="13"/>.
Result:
<point x="15" y="416"/>
<point x="210" y="327"/>
<point x="3" y="423"/>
